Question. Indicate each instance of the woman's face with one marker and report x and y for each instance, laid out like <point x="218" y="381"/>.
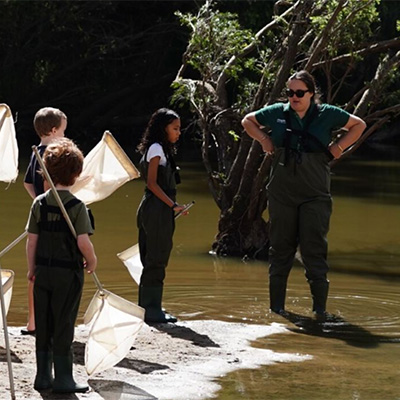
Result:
<point x="173" y="130"/>
<point x="299" y="104"/>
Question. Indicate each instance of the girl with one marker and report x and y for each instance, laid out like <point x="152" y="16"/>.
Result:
<point x="155" y="217"/>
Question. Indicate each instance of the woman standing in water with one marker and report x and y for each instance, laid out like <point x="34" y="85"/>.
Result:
<point x="155" y="217"/>
<point x="299" y="199"/>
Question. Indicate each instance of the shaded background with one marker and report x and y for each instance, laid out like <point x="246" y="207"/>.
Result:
<point x="110" y="64"/>
<point x="106" y="64"/>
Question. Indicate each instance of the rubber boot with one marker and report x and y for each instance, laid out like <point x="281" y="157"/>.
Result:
<point x="44" y="371"/>
<point x="277" y="293"/>
<point x="150" y="298"/>
<point x="64" y="382"/>
<point x="319" y="292"/>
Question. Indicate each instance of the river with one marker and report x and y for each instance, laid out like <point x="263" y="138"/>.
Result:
<point x="355" y="356"/>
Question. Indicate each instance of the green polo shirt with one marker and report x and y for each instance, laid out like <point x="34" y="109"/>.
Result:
<point x="329" y="119"/>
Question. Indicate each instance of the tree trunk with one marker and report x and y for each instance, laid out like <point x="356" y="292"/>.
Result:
<point x="242" y="230"/>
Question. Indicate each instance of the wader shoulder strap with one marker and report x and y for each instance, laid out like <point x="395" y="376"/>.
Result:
<point x="175" y="168"/>
<point x="54" y="226"/>
<point x="308" y="135"/>
<point x="54" y="229"/>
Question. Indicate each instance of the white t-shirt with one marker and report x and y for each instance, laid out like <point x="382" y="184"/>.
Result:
<point x="156" y="150"/>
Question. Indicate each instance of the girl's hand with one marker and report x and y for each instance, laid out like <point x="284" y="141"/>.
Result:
<point x="178" y="209"/>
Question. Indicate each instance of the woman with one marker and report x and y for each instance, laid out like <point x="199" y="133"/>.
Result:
<point x="155" y="217"/>
<point x="299" y="199"/>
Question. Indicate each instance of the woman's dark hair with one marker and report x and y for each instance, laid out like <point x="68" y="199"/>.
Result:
<point x="309" y="81"/>
<point x="155" y="131"/>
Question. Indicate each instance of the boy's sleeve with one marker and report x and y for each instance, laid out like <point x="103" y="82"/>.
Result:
<point x="28" y="178"/>
<point x="82" y="223"/>
<point x="32" y="224"/>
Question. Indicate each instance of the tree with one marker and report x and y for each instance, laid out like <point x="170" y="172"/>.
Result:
<point x="228" y="71"/>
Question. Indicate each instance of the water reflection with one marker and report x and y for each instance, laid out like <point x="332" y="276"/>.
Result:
<point x="376" y="181"/>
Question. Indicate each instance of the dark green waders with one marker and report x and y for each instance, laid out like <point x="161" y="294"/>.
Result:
<point x="300" y="207"/>
<point x="57" y="294"/>
<point x="156" y="225"/>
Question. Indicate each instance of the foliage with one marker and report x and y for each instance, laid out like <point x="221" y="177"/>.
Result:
<point x="107" y="64"/>
<point x="216" y="38"/>
<point x="354" y="24"/>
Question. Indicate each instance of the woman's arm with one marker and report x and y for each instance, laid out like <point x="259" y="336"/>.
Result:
<point x="253" y="129"/>
<point x="154" y="186"/>
<point x="355" y="127"/>
<point x="31" y="244"/>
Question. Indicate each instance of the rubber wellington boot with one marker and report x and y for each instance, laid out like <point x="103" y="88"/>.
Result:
<point x="44" y="371"/>
<point x="64" y="382"/>
<point x="319" y="292"/>
<point x="150" y="298"/>
<point x="277" y="293"/>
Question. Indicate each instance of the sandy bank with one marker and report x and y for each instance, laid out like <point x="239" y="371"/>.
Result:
<point x="172" y="362"/>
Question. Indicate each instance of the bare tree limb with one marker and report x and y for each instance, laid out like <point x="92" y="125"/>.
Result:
<point x="252" y="46"/>
<point x="382" y="71"/>
<point x="388" y="110"/>
<point x="320" y="43"/>
<point x="372" y="48"/>
<point x="341" y="81"/>
<point x="298" y="29"/>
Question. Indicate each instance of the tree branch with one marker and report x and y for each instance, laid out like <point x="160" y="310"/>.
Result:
<point x="299" y="27"/>
<point x="383" y="69"/>
<point x="372" y="48"/>
<point x="320" y="42"/>
<point x="234" y="59"/>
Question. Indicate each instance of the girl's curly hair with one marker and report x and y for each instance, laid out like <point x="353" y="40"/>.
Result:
<point x="155" y="131"/>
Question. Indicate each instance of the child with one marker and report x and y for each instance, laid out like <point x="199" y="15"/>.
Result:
<point x="49" y="123"/>
<point x="155" y="217"/>
<point x="55" y="261"/>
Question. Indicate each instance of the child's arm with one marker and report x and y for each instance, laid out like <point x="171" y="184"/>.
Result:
<point x="30" y="189"/>
<point x="86" y="247"/>
<point x="31" y="244"/>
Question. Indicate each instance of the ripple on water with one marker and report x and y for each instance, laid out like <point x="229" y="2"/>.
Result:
<point x="377" y="312"/>
<point x="368" y="316"/>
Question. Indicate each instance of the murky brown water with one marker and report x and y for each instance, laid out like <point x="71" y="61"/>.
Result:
<point x="354" y="357"/>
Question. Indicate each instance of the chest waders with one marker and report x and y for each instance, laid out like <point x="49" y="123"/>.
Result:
<point x="300" y="206"/>
<point x="156" y="224"/>
<point x="57" y="294"/>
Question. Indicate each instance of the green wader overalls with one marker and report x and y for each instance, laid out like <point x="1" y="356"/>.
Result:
<point x="156" y="224"/>
<point x="57" y="294"/>
<point x="300" y="207"/>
